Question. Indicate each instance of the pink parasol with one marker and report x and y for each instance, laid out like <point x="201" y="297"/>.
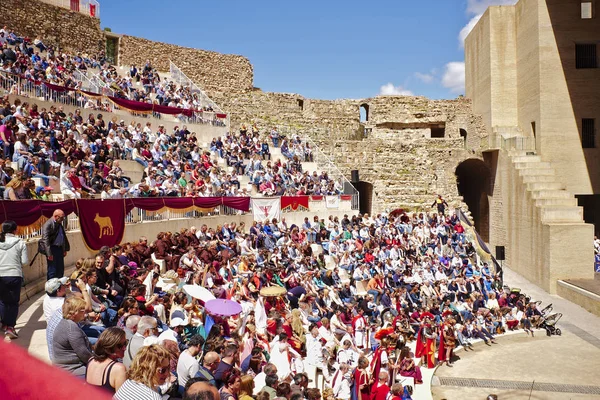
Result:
<point x="223" y="308"/>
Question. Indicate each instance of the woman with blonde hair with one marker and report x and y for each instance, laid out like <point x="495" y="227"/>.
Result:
<point x="104" y="370"/>
<point x="71" y="347"/>
<point x="246" y="388"/>
<point x="149" y="370"/>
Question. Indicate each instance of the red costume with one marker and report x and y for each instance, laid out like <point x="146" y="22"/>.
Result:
<point x="379" y="392"/>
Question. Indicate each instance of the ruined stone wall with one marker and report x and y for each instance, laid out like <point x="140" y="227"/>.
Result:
<point x="71" y="31"/>
<point x="405" y="173"/>
<point x="212" y="71"/>
<point x="339" y="117"/>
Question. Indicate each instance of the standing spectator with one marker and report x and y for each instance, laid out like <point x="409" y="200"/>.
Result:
<point x="13" y="255"/>
<point x="55" y="244"/>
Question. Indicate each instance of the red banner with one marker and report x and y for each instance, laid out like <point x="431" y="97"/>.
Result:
<point x="294" y="202"/>
<point x="316" y="198"/>
<point x="92" y="10"/>
<point x="102" y="223"/>
<point x="346" y="197"/>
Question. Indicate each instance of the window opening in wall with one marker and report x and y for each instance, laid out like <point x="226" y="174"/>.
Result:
<point x="533" y="128"/>
<point x="364" y="113"/>
<point x="301" y="104"/>
<point x="588" y="133"/>
<point x="463" y="134"/>
<point x="437" y="133"/>
<point x="586" y="10"/>
<point x="585" y="56"/>
<point x="112" y="50"/>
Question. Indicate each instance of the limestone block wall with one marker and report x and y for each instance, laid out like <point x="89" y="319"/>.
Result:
<point x="212" y="71"/>
<point x="71" y="31"/>
<point x="405" y="174"/>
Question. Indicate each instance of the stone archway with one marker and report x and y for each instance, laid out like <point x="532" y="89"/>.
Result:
<point x="473" y="182"/>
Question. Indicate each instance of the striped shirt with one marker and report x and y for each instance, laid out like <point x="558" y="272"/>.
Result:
<point x="131" y="390"/>
<point x="52" y="324"/>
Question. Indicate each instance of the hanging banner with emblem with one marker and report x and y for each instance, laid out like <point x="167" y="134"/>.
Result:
<point x="266" y="208"/>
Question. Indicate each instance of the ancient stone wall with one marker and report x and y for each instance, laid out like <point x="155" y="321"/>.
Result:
<point x="212" y="71"/>
<point x="72" y="31"/>
<point x="405" y="173"/>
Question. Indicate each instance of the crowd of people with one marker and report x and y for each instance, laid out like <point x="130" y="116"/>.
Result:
<point x="84" y="153"/>
<point x="37" y="62"/>
<point x="335" y="309"/>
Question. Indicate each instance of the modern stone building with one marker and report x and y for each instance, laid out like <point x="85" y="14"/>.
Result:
<point x="532" y="74"/>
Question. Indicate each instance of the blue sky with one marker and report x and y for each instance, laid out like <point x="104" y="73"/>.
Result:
<point x="320" y="49"/>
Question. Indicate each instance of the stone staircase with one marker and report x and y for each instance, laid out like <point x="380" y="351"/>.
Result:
<point x="550" y="196"/>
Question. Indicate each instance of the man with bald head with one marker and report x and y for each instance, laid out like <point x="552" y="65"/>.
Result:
<point x="54" y="244"/>
<point x="207" y="370"/>
<point x="199" y="390"/>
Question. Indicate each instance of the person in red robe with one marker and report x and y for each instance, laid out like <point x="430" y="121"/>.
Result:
<point x="430" y="336"/>
<point x="362" y="381"/>
<point x="447" y="341"/>
<point x="380" y="389"/>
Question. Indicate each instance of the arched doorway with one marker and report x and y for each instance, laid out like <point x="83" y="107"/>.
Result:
<point x="365" y="190"/>
<point x="463" y="135"/>
<point x="364" y="113"/>
<point x="473" y="181"/>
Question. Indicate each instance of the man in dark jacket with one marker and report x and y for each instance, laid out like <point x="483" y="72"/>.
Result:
<point x="54" y="244"/>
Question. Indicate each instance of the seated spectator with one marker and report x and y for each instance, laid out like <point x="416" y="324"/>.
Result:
<point x="104" y="370"/>
<point x="149" y="370"/>
<point x="70" y="346"/>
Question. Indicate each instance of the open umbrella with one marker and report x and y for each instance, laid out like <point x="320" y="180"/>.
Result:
<point x="272" y="291"/>
<point x="199" y="292"/>
<point x="223" y="308"/>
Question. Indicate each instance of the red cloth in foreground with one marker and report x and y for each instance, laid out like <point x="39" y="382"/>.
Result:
<point x="25" y="377"/>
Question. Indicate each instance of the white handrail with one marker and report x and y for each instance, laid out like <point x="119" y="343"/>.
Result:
<point x="181" y="78"/>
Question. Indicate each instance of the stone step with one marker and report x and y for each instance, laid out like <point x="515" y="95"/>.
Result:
<point x="535" y="165"/>
<point x="551" y="194"/>
<point x="539" y="178"/>
<point x="526" y="159"/>
<point x="537" y="172"/>
<point x="570" y="202"/>
<point x="562" y="214"/>
<point x="545" y="186"/>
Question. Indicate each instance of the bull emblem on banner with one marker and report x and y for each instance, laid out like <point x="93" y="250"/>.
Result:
<point x="105" y="225"/>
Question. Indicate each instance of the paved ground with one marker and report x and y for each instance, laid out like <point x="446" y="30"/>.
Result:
<point x="554" y="367"/>
<point x="591" y="285"/>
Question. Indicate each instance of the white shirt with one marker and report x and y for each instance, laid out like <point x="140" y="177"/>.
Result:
<point x="51" y="304"/>
<point x="314" y="351"/>
<point x="187" y="367"/>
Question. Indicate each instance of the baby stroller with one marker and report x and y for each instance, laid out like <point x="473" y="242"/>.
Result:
<point x="549" y="324"/>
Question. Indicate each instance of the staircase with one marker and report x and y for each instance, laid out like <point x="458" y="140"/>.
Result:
<point x="550" y="196"/>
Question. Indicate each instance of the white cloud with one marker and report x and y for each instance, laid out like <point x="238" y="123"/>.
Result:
<point x="390" y="89"/>
<point x="476" y="8"/>
<point x="425" y="78"/>
<point x="464" y="32"/>
<point x="454" y="77"/>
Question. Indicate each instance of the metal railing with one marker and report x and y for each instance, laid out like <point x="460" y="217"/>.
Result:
<point x="137" y="216"/>
<point x="103" y="86"/>
<point x="323" y="162"/>
<point x="17" y="85"/>
<point x="499" y="142"/>
<point x="86" y="7"/>
<point x="86" y="82"/>
<point x="181" y="79"/>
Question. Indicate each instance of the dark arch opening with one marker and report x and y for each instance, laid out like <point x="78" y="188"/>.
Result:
<point x="364" y="113"/>
<point x="463" y="134"/>
<point x="473" y="182"/>
<point x="365" y="190"/>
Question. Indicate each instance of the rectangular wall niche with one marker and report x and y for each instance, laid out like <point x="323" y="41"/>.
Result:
<point x="438" y="131"/>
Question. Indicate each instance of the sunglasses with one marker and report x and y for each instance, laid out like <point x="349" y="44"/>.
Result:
<point x="163" y="370"/>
